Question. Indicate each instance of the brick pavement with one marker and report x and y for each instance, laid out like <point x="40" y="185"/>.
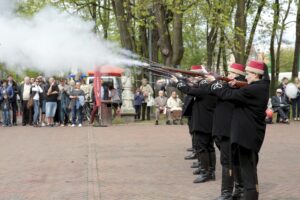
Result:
<point x="128" y="162"/>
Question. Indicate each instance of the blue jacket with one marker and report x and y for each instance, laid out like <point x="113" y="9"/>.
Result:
<point x="8" y="90"/>
<point x="138" y="99"/>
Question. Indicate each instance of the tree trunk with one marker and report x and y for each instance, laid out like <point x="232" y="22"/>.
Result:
<point x="178" y="49"/>
<point x="253" y="29"/>
<point x="155" y="47"/>
<point x="164" y="42"/>
<point x="123" y="24"/>
<point x="211" y="37"/>
<point x="240" y="32"/>
<point x="295" y="70"/>
<point x="143" y="41"/>
<point x="272" y="44"/>
<point x="106" y="16"/>
<point x="282" y="28"/>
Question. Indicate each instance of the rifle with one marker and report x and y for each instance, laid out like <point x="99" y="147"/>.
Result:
<point x="168" y="74"/>
<point x="239" y="84"/>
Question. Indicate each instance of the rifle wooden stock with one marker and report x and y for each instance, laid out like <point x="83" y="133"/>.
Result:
<point x="238" y="84"/>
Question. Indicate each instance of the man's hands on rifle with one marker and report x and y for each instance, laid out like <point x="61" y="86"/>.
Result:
<point x="232" y="83"/>
<point x="210" y="78"/>
<point x="174" y="79"/>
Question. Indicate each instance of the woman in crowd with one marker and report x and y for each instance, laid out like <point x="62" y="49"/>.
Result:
<point x="115" y="99"/>
<point x="37" y="91"/>
<point x="77" y="101"/>
<point x="296" y="101"/>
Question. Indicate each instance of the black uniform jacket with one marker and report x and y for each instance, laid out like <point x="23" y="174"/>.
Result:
<point x="187" y="106"/>
<point x="222" y="118"/>
<point x="248" y="121"/>
<point x="203" y="107"/>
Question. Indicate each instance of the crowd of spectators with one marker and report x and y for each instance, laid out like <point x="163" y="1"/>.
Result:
<point x="51" y="102"/>
<point x="281" y="103"/>
<point x="40" y="102"/>
<point x="170" y="107"/>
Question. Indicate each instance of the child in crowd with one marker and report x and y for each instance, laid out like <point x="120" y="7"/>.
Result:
<point x="138" y="100"/>
<point x="5" y="106"/>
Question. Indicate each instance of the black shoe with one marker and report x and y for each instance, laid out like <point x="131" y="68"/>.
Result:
<point x="212" y="175"/>
<point x="191" y="157"/>
<point x="156" y="122"/>
<point x="195" y="165"/>
<point x="227" y="184"/>
<point x="190" y="149"/>
<point x="224" y="197"/>
<point x="203" y="177"/>
<point x="197" y="171"/>
<point x="168" y="122"/>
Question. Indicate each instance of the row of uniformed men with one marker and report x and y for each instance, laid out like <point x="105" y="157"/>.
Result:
<point x="233" y="118"/>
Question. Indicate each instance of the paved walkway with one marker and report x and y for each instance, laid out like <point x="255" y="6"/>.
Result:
<point x="128" y="162"/>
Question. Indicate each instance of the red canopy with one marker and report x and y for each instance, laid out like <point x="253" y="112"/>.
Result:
<point x="108" y="71"/>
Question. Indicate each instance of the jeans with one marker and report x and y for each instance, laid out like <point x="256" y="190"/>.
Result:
<point x="36" y="108"/>
<point x="64" y="114"/>
<point x="296" y="107"/>
<point x="6" y="117"/>
<point x="76" y="112"/>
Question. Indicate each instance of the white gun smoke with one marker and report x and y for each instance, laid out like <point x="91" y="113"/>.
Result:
<point x="52" y="41"/>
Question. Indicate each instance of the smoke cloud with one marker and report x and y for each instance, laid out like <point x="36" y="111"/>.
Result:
<point x="52" y="41"/>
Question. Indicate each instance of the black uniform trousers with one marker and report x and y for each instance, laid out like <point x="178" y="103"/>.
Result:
<point x="224" y="145"/>
<point x="204" y="145"/>
<point x="248" y="162"/>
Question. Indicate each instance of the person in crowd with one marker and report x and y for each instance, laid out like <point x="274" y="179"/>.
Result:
<point x="32" y="81"/>
<point x="25" y="89"/>
<point x="7" y="93"/>
<point x="51" y="101"/>
<point x="104" y="96"/>
<point x="138" y="100"/>
<point x="174" y="105"/>
<point x="280" y="105"/>
<point x="160" y="103"/>
<point x="1" y="99"/>
<point x="147" y="91"/>
<point x="296" y="102"/>
<point x="6" y="107"/>
<point x="64" y="93"/>
<point x="13" y="101"/>
<point x="87" y="89"/>
<point x="43" y="96"/>
<point x="36" y="91"/>
<point x="282" y="86"/>
<point x="77" y="98"/>
<point x="115" y="99"/>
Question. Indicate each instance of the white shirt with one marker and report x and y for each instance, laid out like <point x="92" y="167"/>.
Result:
<point x="26" y="92"/>
<point x="174" y="104"/>
<point x="37" y="89"/>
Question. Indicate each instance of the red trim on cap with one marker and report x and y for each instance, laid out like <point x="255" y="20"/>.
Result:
<point x="237" y="68"/>
<point x="256" y="67"/>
